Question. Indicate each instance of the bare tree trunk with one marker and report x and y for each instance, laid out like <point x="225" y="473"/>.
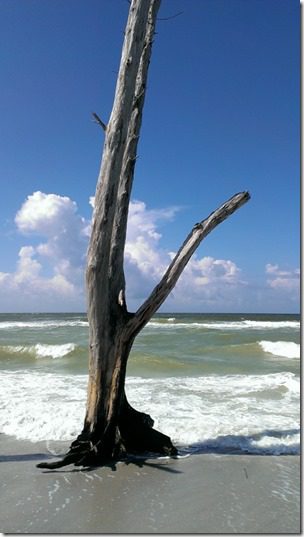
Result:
<point x="112" y="427"/>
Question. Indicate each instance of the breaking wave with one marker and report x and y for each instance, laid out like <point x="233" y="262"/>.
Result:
<point x="7" y="325"/>
<point x="41" y="350"/>
<point x="249" y="416"/>
<point x="222" y="325"/>
<point x="285" y="349"/>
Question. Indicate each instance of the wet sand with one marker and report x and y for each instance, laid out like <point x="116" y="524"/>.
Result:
<point x="204" y="493"/>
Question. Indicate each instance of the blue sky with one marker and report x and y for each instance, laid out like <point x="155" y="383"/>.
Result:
<point x="221" y="116"/>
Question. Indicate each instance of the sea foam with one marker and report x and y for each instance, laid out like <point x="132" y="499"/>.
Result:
<point x="46" y="406"/>
<point x="172" y="323"/>
<point x="286" y="349"/>
<point x="42" y="350"/>
<point x="249" y="413"/>
<point x="8" y="325"/>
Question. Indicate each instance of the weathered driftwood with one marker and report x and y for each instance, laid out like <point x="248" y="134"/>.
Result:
<point x="112" y="427"/>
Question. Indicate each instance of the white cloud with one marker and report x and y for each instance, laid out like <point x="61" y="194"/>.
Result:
<point x="27" y="289"/>
<point x="50" y="275"/>
<point x="142" y="251"/>
<point x="283" y="280"/>
<point x="271" y="269"/>
<point x="62" y="254"/>
<point x="28" y="269"/>
<point x="209" y="284"/>
<point x="44" y="213"/>
<point x="52" y="271"/>
<point x="145" y="260"/>
<point x="208" y="270"/>
<point x="56" y="218"/>
<point x="205" y="282"/>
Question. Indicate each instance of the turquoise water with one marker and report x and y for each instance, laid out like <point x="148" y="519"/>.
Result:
<point x="228" y="381"/>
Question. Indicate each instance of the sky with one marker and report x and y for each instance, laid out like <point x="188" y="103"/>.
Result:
<point x="222" y="115"/>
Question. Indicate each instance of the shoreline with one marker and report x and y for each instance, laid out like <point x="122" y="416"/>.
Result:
<point x="202" y="493"/>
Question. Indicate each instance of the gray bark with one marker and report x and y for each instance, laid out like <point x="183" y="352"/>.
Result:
<point x="112" y="427"/>
<point x="107" y="311"/>
<point x="195" y="237"/>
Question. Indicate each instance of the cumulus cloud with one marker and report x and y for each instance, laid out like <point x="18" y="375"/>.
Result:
<point x="209" y="284"/>
<point x="56" y="218"/>
<point x="52" y="270"/>
<point x="205" y="282"/>
<point x="27" y="289"/>
<point x="145" y="260"/>
<point x="44" y="213"/>
<point x="283" y="280"/>
<point x="49" y="272"/>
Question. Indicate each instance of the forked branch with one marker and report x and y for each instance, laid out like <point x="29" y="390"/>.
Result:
<point x="195" y="237"/>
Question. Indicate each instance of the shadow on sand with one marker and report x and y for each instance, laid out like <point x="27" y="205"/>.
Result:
<point x="222" y="445"/>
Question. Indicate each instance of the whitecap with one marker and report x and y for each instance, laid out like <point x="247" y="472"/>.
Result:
<point x="6" y="325"/>
<point x="255" y="325"/>
<point x="54" y="351"/>
<point x="285" y="349"/>
<point x="225" y="325"/>
<point x="42" y="350"/>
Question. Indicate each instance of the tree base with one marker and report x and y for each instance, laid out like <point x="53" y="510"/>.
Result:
<point x="132" y="435"/>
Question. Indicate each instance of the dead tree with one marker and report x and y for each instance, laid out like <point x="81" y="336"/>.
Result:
<point x="112" y="427"/>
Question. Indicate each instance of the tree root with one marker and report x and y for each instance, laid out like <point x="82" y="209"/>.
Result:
<point x="132" y="435"/>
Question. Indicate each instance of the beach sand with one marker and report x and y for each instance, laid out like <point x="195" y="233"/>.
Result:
<point x="204" y="493"/>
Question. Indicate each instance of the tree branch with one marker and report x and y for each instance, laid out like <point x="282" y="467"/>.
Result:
<point x="130" y="152"/>
<point x="99" y="121"/>
<point x="105" y="252"/>
<point x="169" y="18"/>
<point x="195" y="237"/>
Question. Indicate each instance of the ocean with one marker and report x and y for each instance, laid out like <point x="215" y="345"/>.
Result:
<point x="213" y="383"/>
